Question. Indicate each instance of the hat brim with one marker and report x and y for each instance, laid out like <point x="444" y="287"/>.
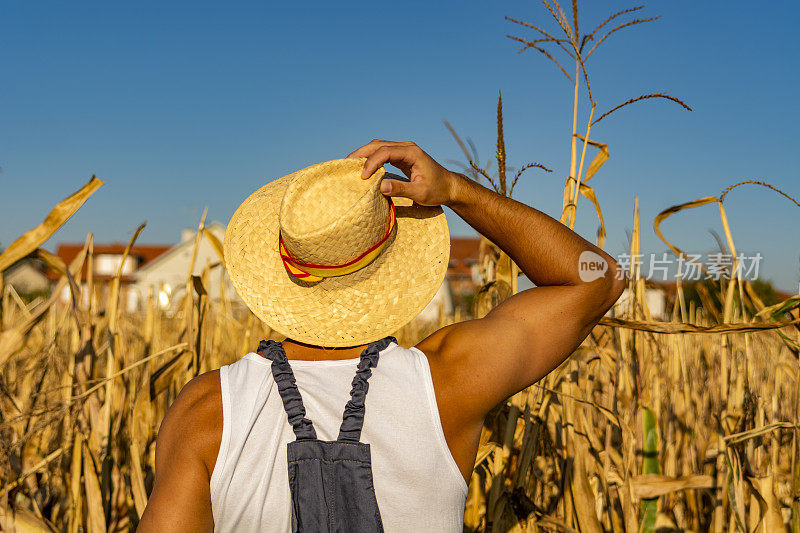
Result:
<point x="348" y="310"/>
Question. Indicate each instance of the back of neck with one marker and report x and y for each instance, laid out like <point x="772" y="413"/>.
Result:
<point x="309" y="352"/>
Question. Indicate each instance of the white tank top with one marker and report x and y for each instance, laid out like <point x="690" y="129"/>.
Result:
<point x="417" y="483"/>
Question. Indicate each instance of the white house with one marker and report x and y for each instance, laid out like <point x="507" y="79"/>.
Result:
<point x="655" y="298"/>
<point x="27" y="277"/>
<point x="442" y="302"/>
<point x="167" y="274"/>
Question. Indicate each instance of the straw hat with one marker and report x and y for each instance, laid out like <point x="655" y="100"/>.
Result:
<point x="323" y="257"/>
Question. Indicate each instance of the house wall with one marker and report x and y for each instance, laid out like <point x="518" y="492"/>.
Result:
<point x="442" y="301"/>
<point x="656" y="300"/>
<point x="166" y="276"/>
<point x="26" y="279"/>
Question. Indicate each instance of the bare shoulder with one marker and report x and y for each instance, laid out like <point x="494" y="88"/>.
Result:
<point x="449" y="351"/>
<point x="449" y="344"/>
<point x="199" y="391"/>
<point x="446" y="356"/>
<point x="193" y="423"/>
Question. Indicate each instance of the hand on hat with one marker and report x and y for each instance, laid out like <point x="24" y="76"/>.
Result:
<point x="431" y="183"/>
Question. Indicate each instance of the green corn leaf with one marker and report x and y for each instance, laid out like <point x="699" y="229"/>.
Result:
<point x="649" y="507"/>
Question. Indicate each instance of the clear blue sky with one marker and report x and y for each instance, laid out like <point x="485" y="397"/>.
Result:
<point x="179" y="105"/>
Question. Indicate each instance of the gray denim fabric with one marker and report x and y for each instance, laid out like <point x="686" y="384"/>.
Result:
<point x="330" y="481"/>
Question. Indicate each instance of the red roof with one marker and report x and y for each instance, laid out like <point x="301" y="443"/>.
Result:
<point x="463" y="254"/>
<point x="143" y="254"/>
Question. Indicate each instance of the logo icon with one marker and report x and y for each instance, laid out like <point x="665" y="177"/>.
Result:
<point x="591" y="266"/>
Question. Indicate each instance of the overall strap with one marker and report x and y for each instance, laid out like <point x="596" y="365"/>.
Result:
<point x="353" y="418"/>
<point x="287" y="387"/>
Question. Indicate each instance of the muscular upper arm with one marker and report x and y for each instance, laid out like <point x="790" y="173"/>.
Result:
<point x="482" y="362"/>
<point x="186" y="449"/>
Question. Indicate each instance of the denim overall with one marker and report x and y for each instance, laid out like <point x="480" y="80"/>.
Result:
<point x="330" y="481"/>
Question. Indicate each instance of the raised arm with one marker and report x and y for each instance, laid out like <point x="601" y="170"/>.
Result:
<point x="479" y="363"/>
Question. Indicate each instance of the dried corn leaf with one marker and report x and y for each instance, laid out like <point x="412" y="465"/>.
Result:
<point x="32" y="470"/>
<point x="137" y="480"/>
<point x="599" y="159"/>
<point x="14" y="338"/>
<point x="582" y="496"/>
<point x="672" y="327"/>
<point x="588" y="192"/>
<point x="57" y="264"/>
<point x="113" y="298"/>
<point x="663" y="215"/>
<point x="769" y="506"/>
<point x="94" y="497"/>
<point x="484" y="452"/>
<point x="34" y="238"/>
<point x="735" y="488"/>
<point x="162" y="377"/>
<point x="215" y="244"/>
<point x="655" y="485"/>
<point x="76" y="503"/>
<point x="22" y="521"/>
<point x="138" y="426"/>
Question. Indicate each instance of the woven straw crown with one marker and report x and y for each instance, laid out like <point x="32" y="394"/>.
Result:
<point x="328" y="218"/>
<point x="326" y="214"/>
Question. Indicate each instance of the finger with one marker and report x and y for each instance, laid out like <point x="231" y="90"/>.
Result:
<point x="401" y="156"/>
<point x="370" y="148"/>
<point x="405" y="189"/>
<point x="367" y="149"/>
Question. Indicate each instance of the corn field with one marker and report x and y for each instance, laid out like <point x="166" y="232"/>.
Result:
<point x="689" y="424"/>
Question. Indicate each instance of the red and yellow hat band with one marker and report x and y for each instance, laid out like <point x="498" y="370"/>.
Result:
<point x="312" y="272"/>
